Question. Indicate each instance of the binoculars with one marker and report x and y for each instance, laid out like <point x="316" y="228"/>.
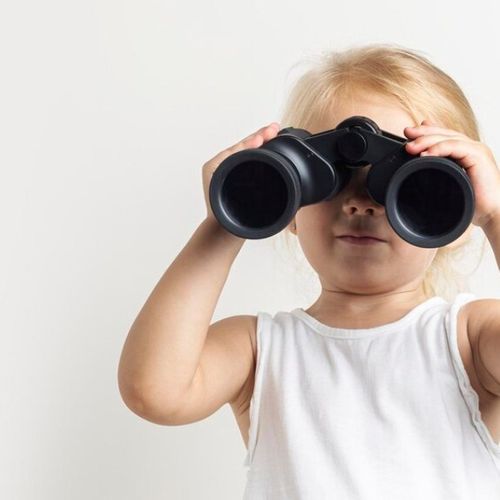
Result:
<point x="255" y="193"/>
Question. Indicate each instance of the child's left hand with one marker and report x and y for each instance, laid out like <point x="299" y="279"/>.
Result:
<point x="474" y="156"/>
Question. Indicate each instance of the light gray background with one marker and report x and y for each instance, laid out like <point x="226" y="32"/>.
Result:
<point x="108" y="109"/>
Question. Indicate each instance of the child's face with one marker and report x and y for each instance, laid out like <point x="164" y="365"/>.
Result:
<point x="377" y="268"/>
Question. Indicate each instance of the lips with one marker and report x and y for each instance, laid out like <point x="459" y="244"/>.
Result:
<point x="360" y="236"/>
<point x="359" y="240"/>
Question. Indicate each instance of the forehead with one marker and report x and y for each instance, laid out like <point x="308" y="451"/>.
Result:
<point x="385" y="112"/>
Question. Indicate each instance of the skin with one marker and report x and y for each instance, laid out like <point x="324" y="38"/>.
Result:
<point x="362" y="286"/>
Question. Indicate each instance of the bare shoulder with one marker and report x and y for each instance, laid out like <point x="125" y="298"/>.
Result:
<point x="240" y="404"/>
<point x="224" y="373"/>
<point x="228" y="360"/>
<point x="473" y="317"/>
<point x="246" y="328"/>
<point x="467" y="339"/>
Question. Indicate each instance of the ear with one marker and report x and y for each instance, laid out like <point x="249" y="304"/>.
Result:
<point x="461" y="239"/>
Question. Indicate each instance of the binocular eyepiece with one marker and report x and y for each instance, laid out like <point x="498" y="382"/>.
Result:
<point x="255" y="193"/>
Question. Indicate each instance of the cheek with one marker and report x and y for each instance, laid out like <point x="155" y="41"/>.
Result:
<point x="412" y="255"/>
<point x="317" y="217"/>
<point x="315" y="233"/>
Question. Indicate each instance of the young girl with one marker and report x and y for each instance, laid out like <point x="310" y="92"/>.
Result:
<point x="380" y="389"/>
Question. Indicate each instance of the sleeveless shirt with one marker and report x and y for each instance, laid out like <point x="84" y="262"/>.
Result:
<point x="383" y="413"/>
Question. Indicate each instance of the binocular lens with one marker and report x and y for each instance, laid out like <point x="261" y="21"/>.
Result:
<point x="430" y="202"/>
<point x="254" y="194"/>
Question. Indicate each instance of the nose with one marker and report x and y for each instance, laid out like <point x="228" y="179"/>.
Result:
<point x="355" y="203"/>
<point x="357" y="200"/>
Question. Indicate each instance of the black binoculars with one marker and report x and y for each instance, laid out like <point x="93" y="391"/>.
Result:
<point x="255" y="193"/>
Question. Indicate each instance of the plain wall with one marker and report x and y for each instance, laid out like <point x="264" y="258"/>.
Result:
<point x="108" y="110"/>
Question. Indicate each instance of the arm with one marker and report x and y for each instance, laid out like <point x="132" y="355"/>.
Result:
<point x="483" y="323"/>
<point x="162" y="352"/>
<point x="174" y="368"/>
<point x="483" y="316"/>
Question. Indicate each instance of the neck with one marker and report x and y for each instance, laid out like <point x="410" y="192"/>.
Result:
<point x="349" y="308"/>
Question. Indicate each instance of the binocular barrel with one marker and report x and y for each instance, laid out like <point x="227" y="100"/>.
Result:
<point x="255" y="193"/>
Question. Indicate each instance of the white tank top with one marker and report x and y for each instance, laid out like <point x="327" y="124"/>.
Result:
<point x="383" y="413"/>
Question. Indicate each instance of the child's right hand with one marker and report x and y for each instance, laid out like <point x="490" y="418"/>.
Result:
<point x="254" y="140"/>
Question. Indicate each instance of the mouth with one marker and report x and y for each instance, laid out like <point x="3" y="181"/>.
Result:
<point x="359" y="240"/>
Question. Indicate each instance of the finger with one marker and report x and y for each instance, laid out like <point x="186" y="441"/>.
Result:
<point x="263" y="130"/>
<point x="263" y="135"/>
<point x="412" y="132"/>
<point x="423" y="142"/>
<point x="466" y="154"/>
<point x="254" y="140"/>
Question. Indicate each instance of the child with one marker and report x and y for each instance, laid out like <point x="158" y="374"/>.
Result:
<point x="378" y="390"/>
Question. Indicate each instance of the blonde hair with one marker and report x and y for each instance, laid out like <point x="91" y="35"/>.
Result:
<point x="421" y="89"/>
